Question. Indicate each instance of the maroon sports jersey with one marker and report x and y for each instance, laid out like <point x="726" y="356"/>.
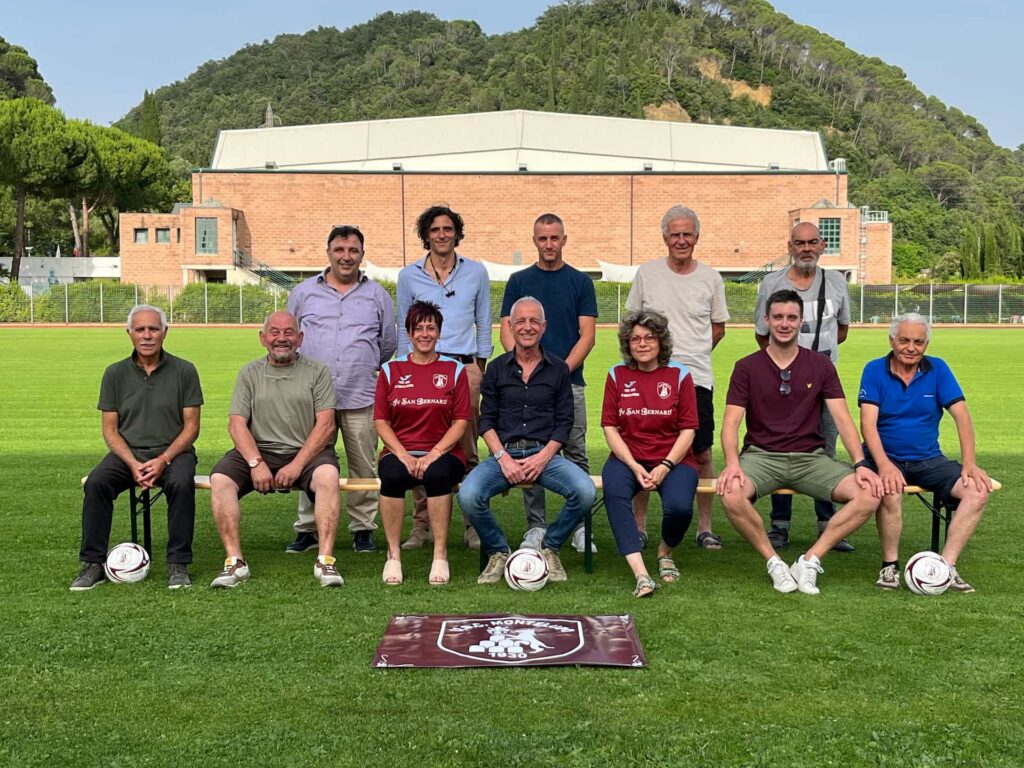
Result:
<point x="650" y="409"/>
<point x="784" y="423"/>
<point x="421" y="401"/>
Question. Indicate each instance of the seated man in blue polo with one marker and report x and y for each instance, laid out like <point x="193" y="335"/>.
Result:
<point x="526" y="413"/>
<point x="902" y="396"/>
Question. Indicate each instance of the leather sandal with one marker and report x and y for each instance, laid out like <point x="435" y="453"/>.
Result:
<point x="439" y="573"/>
<point x="645" y="586"/>
<point x="392" y="572"/>
<point x="667" y="569"/>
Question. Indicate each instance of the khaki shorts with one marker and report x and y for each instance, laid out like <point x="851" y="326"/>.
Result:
<point x="812" y="474"/>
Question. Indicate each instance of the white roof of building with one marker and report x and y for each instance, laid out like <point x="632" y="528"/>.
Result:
<point x="518" y="140"/>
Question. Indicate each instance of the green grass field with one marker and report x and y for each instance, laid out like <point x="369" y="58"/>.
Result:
<point x="277" y="673"/>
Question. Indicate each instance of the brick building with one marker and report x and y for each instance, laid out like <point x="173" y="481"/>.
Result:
<point x="272" y="194"/>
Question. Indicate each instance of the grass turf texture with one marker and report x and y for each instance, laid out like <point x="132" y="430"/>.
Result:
<point x="276" y="673"/>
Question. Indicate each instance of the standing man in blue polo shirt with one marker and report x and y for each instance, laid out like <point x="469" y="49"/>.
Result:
<point x="461" y="288"/>
<point x="348" y="324"/>
<point x="902" y="396"/>
<point x="570" y="306"/>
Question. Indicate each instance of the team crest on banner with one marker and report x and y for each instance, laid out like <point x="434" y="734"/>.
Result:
<point x="664" y="390"/>
<point x="495" y="640"/>
<point x="440" y="380"/>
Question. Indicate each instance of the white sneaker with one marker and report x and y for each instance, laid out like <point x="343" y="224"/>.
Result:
<point x="326" y="572"/>
<point x="577" y="541"/>
<point x="235" y="571"/>
<point x="534" y="538"/>
<point x="782" y="579"/>
<point x="806" y="574"/>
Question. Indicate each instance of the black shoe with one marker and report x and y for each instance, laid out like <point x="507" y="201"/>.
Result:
<point x="362" y="541"/>
<point x="778" y="537"/>
<point x="304" y="541"/>
<point x="90" y="576"/>
<point x="177" y="576"/>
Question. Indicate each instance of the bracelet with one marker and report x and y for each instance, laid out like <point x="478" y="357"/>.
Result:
<point x="668" y="463"/>
<point x="167" y="462"/>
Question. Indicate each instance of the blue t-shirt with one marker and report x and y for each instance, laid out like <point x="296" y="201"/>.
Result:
<point x="566" y="295"/>
<point x="908" y="416"/>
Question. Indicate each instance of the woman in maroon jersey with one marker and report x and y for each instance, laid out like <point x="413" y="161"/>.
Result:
<point x="420" y="412"/>
<point x="649" y="418"/>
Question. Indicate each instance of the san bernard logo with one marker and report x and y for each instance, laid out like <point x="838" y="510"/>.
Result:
<point x="664" y="390"/>
<point x="511" y="639"/>
<point x="440" y="380"/>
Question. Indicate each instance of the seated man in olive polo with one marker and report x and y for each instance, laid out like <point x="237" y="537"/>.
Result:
<point x="150" y="403"/>
<point x="282" y="424"/>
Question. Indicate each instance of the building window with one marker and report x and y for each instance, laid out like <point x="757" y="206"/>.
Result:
<point x="163" y="235"/>
<point x="206" y="235"/>
<point x="178" y="231"/>
<point x="830" y="230"/>
<point x="141" y="236"/>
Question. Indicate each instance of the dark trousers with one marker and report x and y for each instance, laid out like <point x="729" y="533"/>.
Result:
<point x="677" y="492"/>
<point x="110" y="478"/>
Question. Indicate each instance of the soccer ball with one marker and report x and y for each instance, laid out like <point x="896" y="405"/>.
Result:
<point x="927" y="574"/>
<point x="526" y="570"/>
<point x="127" y="563"/>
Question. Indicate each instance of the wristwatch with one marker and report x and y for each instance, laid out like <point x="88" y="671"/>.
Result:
<point x="498" y="454"/>
<point x="253" y="463"/>
<point x="863" y="463"/>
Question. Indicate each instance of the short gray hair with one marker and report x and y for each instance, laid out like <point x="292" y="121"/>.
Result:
<point x="527" y="300"/>
<point x="910" y="317"/>
<point x="679" y="212"/>
<point x="147" y="308"/>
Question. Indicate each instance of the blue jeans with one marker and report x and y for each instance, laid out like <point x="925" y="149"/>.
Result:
<point x="677" y="491"/>
<point x="560" y="476"/>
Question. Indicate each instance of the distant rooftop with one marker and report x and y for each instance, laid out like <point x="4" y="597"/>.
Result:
<point x="518" y="140"/>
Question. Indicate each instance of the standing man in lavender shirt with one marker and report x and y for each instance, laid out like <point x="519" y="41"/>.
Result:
<point x="348" y="323"/>
<point x="462" y="290"/>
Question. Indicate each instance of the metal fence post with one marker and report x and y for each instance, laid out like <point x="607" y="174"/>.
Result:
<point x="966" y="286"/>
<point x="862" y="303"/>
<point x="999" y="311"/>
<point x="31" y="306"/>
<point x="101" y="302"/>
<point x="239" y="303"/>
<point x="206" y="303"/>
<point x="67" y="314"/>
<point x="618" y="303"/>
<point x="931" y="302"/>
<point x="896" y="302"/>
<point x="136" y="294"/>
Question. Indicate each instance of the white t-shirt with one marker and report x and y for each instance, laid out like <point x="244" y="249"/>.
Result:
<point x="691" y="303"/>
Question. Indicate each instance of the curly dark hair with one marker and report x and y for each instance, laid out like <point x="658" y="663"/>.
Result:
<point x="656" y="323"/>
<point x="420" y="312"/>
<point x="427" y="218"/>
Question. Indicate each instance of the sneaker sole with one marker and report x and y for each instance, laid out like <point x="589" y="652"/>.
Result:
<point x="179" y="586"/>
<point x="227" y="586"/>
<point x="289" y="551"/>
<point x="785" y="588"/>
<point x="86" y="589"/>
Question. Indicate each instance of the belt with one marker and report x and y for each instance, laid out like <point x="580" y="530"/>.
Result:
<point x="519" y="445"/>
<point x="466" y="359"/>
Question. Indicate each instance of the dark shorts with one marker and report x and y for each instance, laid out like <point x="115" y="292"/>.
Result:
<point x="937" y="474"/>
<point x="705" y="436"/>
<point x="439" y="479"/>
<point x="236" y="467"/>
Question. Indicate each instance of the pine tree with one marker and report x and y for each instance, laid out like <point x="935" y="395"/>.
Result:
<point x="149" y="122"/>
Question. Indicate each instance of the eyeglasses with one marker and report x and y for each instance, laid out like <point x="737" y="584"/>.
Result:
<point x="646" y="339"/>
<point x="784" y="388"/>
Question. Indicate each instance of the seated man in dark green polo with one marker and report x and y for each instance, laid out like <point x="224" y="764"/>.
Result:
<point x="150" y="403"/>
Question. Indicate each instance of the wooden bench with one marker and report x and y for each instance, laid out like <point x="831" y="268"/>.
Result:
<point x="142" y="500"/>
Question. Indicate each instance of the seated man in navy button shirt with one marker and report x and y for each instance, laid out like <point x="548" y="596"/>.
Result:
<point x="526" y="413"/>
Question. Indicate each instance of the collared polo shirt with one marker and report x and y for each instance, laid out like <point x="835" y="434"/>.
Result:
<point x="352" y="333"/>
<point x="539" y="409"/>
<point x="465" y="302"/>
<point x="909" y="415"/>
<point x="150" y="408"/>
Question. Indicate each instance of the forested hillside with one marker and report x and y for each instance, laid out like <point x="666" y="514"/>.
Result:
<point x="956" y="199"/>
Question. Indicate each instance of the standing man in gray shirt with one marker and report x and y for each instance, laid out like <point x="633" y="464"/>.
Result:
<point x="348" y="324"/>
<point x="825" y="325"/>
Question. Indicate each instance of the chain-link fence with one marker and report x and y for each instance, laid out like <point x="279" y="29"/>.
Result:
<point x="212" y="303"/>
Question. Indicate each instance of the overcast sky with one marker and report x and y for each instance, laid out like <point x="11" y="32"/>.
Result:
<point x="100" y="56"/>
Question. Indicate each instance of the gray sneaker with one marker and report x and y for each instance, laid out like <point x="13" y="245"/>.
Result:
<point x="555" y="570"/>
<point x="778" y="537"/>
<point x="805" y="573"/>
<point x="472" y="538"/>
<point x="90" y="576"/>
<point x="844" y="545"/>
<point x="235" y="571"/>
<point x="888" y="578"/>
<point x="534" y="538"/>
<point x="578" y="543"/>
<point x="417" y="538"/>
<point x="495" y="570"/>
<point x="957" y="584"/>
<point x="177" y="576"/>
<point x="326" y="572"/>
<point x="782" y="579"/>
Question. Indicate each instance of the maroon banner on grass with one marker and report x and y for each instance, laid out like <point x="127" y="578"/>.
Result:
<point x="509" y="640"/>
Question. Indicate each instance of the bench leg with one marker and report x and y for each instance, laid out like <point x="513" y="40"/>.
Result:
<point x="939" y="515"/>
<point x="588" y="535"/>
<point x="142" y="503"/>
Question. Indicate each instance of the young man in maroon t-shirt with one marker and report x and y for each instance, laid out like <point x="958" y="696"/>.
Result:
<point x="781" y="390"/>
